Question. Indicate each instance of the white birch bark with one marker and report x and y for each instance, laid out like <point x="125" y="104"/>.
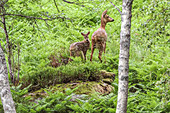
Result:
<point x="5" y="93"/>
<point x="124" y="56"/>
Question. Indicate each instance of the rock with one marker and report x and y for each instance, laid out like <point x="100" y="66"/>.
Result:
<point x="103" y="88"/>
<point x="107" y="80"/>
<point x="87" y="88"/>
<point x="76" y="96"/>
<point x="106" y="74"/>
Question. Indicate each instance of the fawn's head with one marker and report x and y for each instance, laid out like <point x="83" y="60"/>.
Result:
<point x="86" y="37"/>
<point x="105" y="18"/>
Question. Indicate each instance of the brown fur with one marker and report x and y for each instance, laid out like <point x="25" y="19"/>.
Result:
<point x="99" y="37"/>
<point x="83" y="46"/>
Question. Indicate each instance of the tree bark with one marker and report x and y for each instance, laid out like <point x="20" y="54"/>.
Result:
<point x="124" y="56"/>
<point x="8" y="46"/>
<point x="5" y="93"/>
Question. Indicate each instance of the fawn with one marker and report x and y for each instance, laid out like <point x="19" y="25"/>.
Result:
<point x="82" y="46"/>
<point x="99" y="37"/>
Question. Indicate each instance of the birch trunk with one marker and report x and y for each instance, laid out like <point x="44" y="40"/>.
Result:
<point x="124" y="56"/>
<point x="5" y="93"/>
<point x="2" y="10"/>
<point x="9" y="49"/>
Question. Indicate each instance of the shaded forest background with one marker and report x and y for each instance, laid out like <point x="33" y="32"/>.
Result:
<point x="41" y="32"/>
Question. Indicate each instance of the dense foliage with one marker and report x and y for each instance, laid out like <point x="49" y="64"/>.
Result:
<point x="39" y="39"/>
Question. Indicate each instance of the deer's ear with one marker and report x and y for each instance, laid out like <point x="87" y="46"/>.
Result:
<point x="104" y="13"/>
<point x="88" y="33"/>
<point x="82" y="34"/>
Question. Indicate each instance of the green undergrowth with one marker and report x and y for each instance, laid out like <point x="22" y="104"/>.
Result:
<point x="59" y="102"/>
<point x="73" y="71"/>
<point x="149" y="62"/>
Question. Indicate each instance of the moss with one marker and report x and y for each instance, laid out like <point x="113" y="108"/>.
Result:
<point x="107" y="80"/>
<point x="88" y="88"/>
<point x="63" y="74"/>
<point x="106" y="74"/>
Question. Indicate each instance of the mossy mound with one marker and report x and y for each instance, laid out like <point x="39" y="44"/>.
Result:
<point x="88" y="88"/>
<point x="49" y="76"/>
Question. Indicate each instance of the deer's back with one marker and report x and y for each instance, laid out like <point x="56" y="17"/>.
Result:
<point x="80" y="46"/>
<point x="99" y="37"/>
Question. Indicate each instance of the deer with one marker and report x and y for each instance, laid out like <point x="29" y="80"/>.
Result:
<point x="77" y="47"/>
<point x="99" y="37"/>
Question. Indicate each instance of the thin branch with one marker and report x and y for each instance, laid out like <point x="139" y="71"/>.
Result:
<point x="18" y="62"/>
<point x="73" y="3"/>
<point x="39" y="29"/>
<point x="2" y="3"/>
<point x="13" y="62"/>
<point x="116" y="8"/>
<point x="47" y="24"/>
<point x="32" y="17"/>
<point x="56" y="6"/>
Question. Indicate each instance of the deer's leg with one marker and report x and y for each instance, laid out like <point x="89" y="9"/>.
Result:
<point x="100" y="54"/>
<point x="105" y="52"/>
<point x="92" y="50"/>
<point x="82" y="55"/>
<point x="104" y="48"/>
<point x="84" y="52"/>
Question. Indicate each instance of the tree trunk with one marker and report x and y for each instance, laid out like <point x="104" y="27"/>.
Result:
<point x="124" y="56"/>
<point x="5" y="93"/>
<point x="8" y="46"/>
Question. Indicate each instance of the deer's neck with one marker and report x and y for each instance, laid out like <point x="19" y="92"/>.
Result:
<point x="103" y="24"/>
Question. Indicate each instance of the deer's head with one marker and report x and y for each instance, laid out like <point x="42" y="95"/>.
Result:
<point x="105" y="18"/>
<point x="86" y="37"/>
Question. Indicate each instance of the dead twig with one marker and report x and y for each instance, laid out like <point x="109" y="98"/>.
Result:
<point x="18" y="62"/>
<point x="2" y="3"/>
<point x="32" y="17"/>
<point x="116" y="8"/>
<point x="56" y="6"/>
<point x="39" y="29"/>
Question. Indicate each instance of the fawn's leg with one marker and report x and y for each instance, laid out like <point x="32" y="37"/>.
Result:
<point x="92" y="50"/>
<point x="82" y="55"/>
<point x="84" y="52"/>
<point x="100" y="54"/>
<point x="105" y="52"/>
<point x="102" y="45"/>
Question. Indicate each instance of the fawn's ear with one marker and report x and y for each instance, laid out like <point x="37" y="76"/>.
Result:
<point x="82" y="34"/>
<point x="104" y="13"/>
<point x="88" y="33"/>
